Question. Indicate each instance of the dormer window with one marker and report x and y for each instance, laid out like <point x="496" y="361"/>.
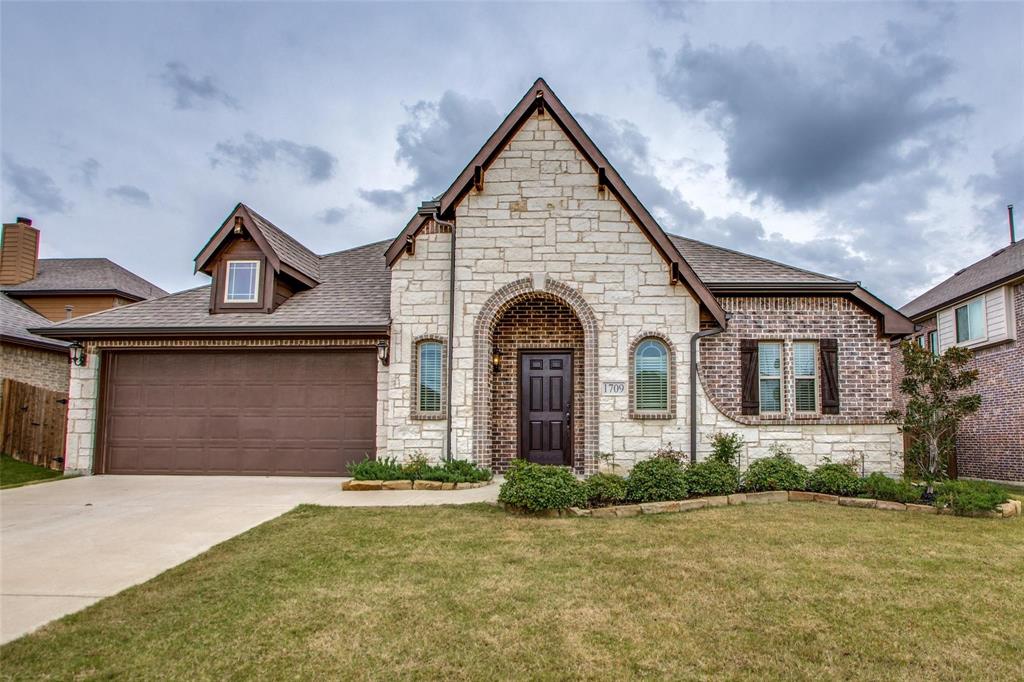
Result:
<point x="243" y="281"/>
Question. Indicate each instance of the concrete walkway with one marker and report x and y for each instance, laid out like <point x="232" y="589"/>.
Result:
<point x="67" y="544"/>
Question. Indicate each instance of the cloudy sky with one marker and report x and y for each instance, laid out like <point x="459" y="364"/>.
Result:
<point x="877" y="142"/>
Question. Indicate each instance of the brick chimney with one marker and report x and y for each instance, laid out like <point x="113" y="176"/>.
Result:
<point x="19" y="252"/>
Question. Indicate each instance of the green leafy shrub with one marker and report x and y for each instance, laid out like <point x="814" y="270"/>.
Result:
<point x="777" y="472"/>
<point x="537" y="487"/>
<point x="386" y="469"/>
<point x="416" y="466"/>
<point x="711" y="477"/>
<point x="726" y="448"/>
<point x="834" y="478"/>
<point x="604" y="489"/>
<point x="880" y="487"/>
<point x="969" y="497"/>
<point x="656" y="480"/>
<point x="455" y="471"/>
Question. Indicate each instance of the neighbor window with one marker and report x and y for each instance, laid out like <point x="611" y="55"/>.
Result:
<point x="933" y="342"/>
<point x="769" y="364"/>
<point x="429" y="356"/>
<point x="805" y="375"/>
<point x="970" y="321"/>
<point x="243" y="281"/>
<point x="650" y="376"/>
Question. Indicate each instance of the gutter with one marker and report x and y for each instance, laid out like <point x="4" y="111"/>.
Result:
<point x="430" y="209"/>
<point x="694" y="340"/>
<point x="74" y="333"/>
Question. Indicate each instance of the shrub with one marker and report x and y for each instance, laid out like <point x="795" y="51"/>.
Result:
<point x="656" y="480"/>
<point x="668" y="452"/>
<point x="386" y="469"/>
<point x="711" y="477"/>
<point x="834" y="478"/>
<point x="604" y="489"/>
<point x="416" y="466"/>
<point x="777" y="472"/>
<point x="726" y="448"/>
<point x="537" y="487"/>
<point x="881" y="487"/>
<point x="969" y="497"/>
<point x="455" y="471"/>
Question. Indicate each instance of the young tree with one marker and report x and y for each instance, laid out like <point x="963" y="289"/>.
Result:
<point x="935" y="389"/>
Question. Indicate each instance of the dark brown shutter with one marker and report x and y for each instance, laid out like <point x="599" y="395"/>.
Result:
<point x="829" y="376"/>
<point x="748" y="375"/>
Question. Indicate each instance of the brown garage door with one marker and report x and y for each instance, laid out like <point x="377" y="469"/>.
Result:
<point x="305" y="413"/>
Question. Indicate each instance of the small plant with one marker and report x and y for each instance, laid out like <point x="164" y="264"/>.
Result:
<point x="537" y="487"/>
<point x="454" y="471"/>
<point x="386" y="469"/>
<point x="966" y="498"/>
<point x="726" y="448"/>
<point x="656" y="480"/>
<point x="604" y="489"/>
<point x="711" y="477"/>
<point x="777" y="472"/>
<point x="416" y="466"/>
<point x="880" y="487"/>
<point x="608" y="460"/>
<point x="668" y="452"/>
<point x="835" y="478"/>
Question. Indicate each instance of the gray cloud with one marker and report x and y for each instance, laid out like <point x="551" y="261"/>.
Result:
<point x="129" y="194"/>
<point x="387" y="199"/>
<point x="34" y="187"/>
<point x="332" y="215"/>
<point x="191" y="92"/>
<point x="254" y="152"/>
<point x="1005" y="185"/>
<point x="802" y="132"/>
<point x="86" y="172"/>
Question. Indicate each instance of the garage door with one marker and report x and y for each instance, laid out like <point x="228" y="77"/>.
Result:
<point x="302" y="413"/>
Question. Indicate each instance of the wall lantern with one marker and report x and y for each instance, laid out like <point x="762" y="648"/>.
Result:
<point x="78" y="356"/>
<point x="383" y="353"/>
<point x="496" y="359"/>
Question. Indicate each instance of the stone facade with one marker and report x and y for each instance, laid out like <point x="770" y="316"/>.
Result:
<point x="43" y="368"/>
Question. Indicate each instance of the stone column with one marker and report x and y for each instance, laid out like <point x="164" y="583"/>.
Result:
<point x="83" y="400"/>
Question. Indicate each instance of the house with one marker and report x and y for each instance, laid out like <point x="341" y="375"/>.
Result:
<point x="982" y="308"/>
<point x="535" y="309"/>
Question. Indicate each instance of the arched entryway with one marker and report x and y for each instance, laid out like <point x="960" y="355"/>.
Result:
<point x="540" y="401"/>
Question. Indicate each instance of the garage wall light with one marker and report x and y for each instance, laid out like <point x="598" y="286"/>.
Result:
<point x="384" y="353"/>
<point x="78" y="357"/>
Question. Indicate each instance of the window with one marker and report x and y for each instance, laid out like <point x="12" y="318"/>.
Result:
<point x="769" y="364"/>
<point x="429" y="376"/>
<point x="650" y="376"/>
<point x="922" y="341"/>
<point x="243" y="281"/>
<point x="933" y="342"/>
<point x="970" y="321"/>
<point x="805" y="375"/>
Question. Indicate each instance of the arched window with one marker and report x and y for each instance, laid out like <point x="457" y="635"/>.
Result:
<point x="650" y="376"/>
<point x="429" y="389"/>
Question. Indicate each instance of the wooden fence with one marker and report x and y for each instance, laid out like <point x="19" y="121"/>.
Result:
<point x="32" y="423"/>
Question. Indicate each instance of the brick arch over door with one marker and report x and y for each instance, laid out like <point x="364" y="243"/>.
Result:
<point x="483" y="330"/>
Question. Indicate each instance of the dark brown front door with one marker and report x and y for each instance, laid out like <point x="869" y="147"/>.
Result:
<point x="545" y="407"/>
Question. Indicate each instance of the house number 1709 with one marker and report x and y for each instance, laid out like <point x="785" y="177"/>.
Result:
<point x="614" y="388"/>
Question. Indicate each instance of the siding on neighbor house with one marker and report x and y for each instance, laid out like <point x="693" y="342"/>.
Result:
<point x="999" y="319"/>
<point x="42" y="368"/>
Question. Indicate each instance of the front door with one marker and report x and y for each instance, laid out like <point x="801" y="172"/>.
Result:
<point x="545" y="407"/>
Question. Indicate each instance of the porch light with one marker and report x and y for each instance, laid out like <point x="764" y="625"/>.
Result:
<point x="383" y="353"/>
<point x="496" y="359"/>
<point x="78" y="356"/>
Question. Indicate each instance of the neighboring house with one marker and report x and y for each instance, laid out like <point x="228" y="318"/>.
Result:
<point x="555" y="322"/>
<point x="982" y="308"/>
<point x="27" y="357"/>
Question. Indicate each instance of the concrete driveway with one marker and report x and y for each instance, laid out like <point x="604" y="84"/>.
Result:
<point x="67" y="544"/>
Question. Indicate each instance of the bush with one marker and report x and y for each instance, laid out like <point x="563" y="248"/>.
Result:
<point x="668" y="452"/>
<point x="711" y="477"/>
<point x="881" y="487"/>
<point x="416" y="466"/>
<point x="833" y="478"/>
<point x="386" y="469"/>
<point x="726" y="448"/>
<point x="969" y="497"/>
<point x="656" y="480"/>
<point x="604" y="489"/>
<point x="455" y="471"/>
<point x="537" y="487"/>
<point x="778" y="472"/>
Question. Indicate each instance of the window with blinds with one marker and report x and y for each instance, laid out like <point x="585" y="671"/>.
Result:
<point x="429" y="380"/>
<point x="769" y="368"/>
<point x="805" y="375"/>
<point x="970" y="321"/>
<point x="651" y="376"/>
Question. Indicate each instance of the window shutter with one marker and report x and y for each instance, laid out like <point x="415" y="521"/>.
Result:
<point x="748" y="376"/>
<point x="829" y="376"/>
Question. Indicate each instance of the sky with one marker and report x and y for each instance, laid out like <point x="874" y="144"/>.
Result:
<point x="878" y="142"/>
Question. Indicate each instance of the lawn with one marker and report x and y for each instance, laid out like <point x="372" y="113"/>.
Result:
<point x="14" y="473"/>
<point x="774" y="591"/>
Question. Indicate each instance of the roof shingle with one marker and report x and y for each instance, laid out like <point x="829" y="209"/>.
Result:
<point x="15" y="321"/>
<point x="287" y="248"/>
<point x="718" y="265"/>
<point x="86" y="274"/>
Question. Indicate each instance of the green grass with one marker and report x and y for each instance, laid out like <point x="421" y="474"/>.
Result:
<point x="794" y="591"/>
<point x="14" y="473"/>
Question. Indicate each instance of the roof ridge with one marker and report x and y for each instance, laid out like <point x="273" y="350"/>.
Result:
<point x="355" y="248"/>
<point x="760" y="258"/>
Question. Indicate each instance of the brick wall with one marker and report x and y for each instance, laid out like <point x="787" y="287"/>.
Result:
<point x="532" y="323"/>
<point x="46" y="369"/>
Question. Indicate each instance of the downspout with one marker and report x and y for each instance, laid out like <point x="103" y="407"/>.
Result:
<point x="429" y="208"/>
<point x="693" y="387"/>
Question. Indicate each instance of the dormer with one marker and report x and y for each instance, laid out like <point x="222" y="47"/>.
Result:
<point x="255" y="265"/>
